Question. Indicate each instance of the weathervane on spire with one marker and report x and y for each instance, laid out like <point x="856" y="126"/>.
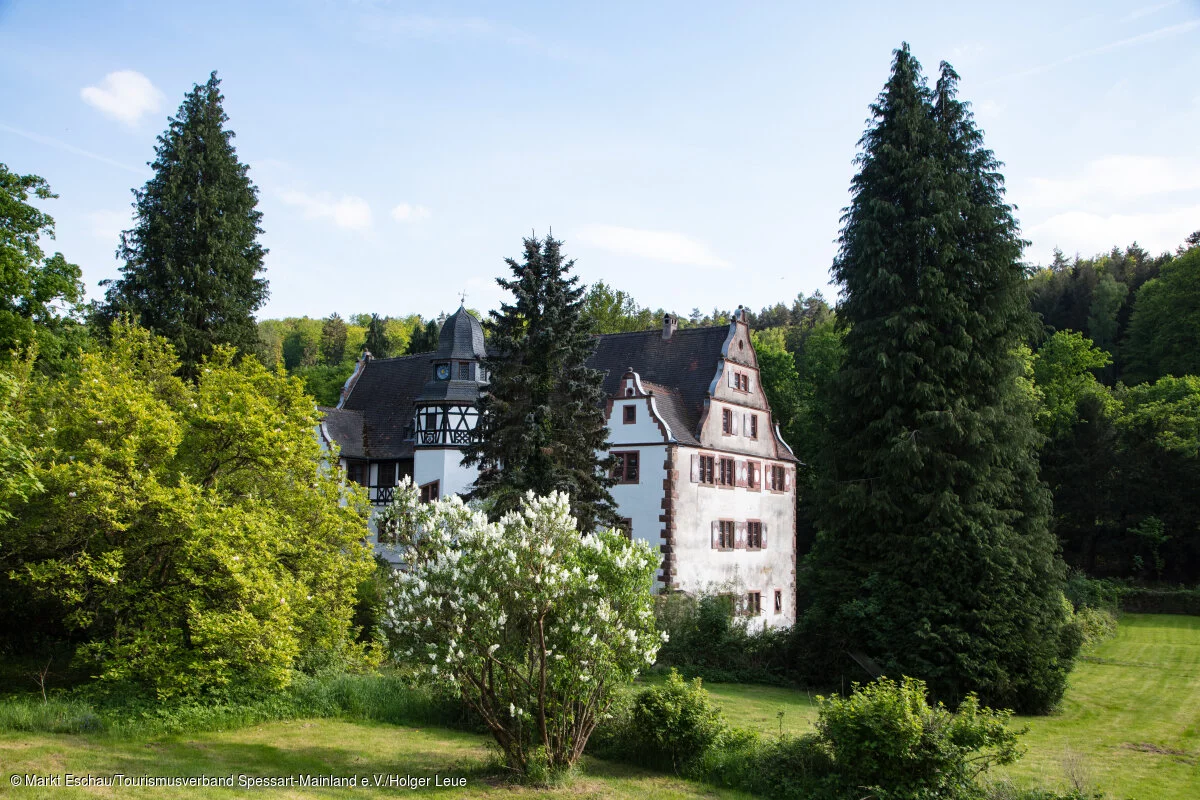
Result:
<point x="462" y="296"/>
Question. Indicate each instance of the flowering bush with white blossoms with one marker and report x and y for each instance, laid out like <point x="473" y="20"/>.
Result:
<point x="533" y="624"/>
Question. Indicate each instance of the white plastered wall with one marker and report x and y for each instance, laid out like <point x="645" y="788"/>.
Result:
<point x="700" y="567"/>
<point x="443" y="465"/>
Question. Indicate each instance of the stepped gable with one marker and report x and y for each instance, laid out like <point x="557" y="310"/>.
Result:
<point x="346" y="428"/>
<point x="681" y="370"/>
<point x="383" y="394"/>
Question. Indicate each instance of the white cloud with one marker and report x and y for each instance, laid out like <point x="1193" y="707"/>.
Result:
<point x="669" y="246"/>
<point x="1112" y="179"/>
<point x="406" y="212"/>
<point x="1089" y="234"/>
<point x="348" y="211"/>
<point x="125" y="96"/>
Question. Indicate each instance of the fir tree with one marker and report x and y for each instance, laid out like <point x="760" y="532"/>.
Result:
<point x="424" y="340"/>
<point x="377" y="342"/>
<point x="541" y="421"/>
<point x="192" y="259"/>
<point x="934" y="557"/>
<point x="333" y="339"/>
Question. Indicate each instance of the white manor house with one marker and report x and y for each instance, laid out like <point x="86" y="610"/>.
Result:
<point x="702" y="472"/>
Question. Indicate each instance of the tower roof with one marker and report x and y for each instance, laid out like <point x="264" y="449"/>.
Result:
<point x="461" y="337"/>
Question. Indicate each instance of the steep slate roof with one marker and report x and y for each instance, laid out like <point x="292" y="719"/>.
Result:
<point x="383" y="395"/>
<point x="678" y="371"/>
<point x="683" y="367"/>
<point x="345" y="428"/>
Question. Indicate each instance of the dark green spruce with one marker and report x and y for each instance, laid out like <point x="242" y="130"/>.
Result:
<point x="934" y="557"/>
<point x="541" y="420"/>
<point x="192" y="260"/>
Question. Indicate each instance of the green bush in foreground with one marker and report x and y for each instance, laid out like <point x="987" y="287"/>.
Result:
<point x="676" y="722"/>
<point x="887" y="737"/>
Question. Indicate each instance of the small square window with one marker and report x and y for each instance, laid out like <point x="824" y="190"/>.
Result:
<point x="629" y="414"/>
<point x="778" y="601"/>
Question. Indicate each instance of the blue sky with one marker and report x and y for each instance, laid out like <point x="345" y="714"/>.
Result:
<point x="694" y="154"/>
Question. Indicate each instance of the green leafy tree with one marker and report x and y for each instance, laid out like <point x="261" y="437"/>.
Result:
<point x="333" y="340"/>
<point x="541" y="422"/>
<point x="18" y="479"/>
<point x="536" y="627"/>
<point x="1158" y="452"/>
<point x="302" y="344"/>
<point x="780" y="381"/>
<point x="188" y="536"/>
<point x="933" y="557"/>
<point x="38" y="294"/>
<point x="192" y="259"/>
<point x="1064" y="370"/>
<point x="609" y="310"/>
<point x="1164" y="333"/>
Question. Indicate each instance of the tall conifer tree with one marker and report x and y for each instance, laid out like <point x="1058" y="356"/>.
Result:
<point x="934" y="557"/>
<point x="192" y="259"/>
<point x="541" y="421"/>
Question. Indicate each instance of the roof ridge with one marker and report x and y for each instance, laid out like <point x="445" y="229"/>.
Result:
<point x="429" y="353"/>
<point x="677" y="332"/>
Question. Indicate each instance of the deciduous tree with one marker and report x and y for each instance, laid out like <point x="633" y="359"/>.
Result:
<point x="535" y="626"/>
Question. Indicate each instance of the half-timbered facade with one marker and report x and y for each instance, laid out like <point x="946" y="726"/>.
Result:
<point x="702" y="473"/>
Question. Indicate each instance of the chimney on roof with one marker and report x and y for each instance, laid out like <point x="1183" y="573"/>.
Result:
<point x="670" y="323"/>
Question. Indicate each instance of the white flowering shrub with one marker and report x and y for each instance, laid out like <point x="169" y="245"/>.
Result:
<point x="534" y="625"/>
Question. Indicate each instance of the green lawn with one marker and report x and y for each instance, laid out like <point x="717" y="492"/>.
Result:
<point x="1129" y="725"/>
<point x="312" y="747"/>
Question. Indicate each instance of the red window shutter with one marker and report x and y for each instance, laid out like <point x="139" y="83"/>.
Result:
<point x="787" y="479"/>
<point x="740" y="535"/>
<point x="741" y="474"/>
<point x="716" y="534"/>
<point x="731" y="375"/>
<point x="733" y="421"/>
<point x="764" y="536"/>
<point x="695" y="468"/>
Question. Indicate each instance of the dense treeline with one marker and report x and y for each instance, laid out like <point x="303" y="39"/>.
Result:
<point x="322" y="352"/>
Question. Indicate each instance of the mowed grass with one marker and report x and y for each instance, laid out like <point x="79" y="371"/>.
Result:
<point x="1129" y="724"/>
<point x="310" y="747"/>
